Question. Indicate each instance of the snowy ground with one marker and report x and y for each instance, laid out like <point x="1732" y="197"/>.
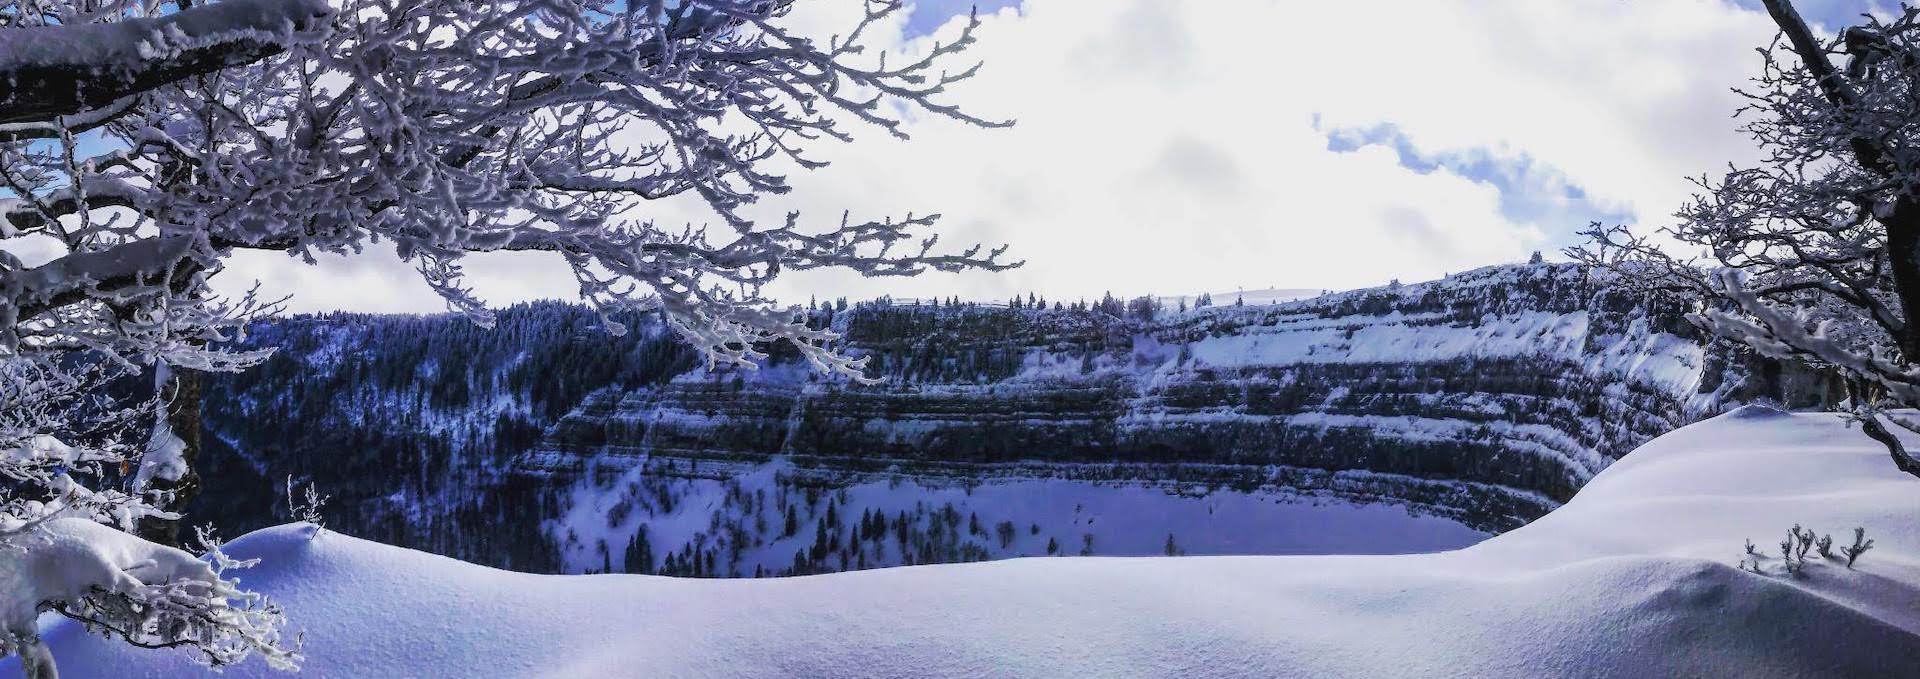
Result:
<point x="1635" y="577"/>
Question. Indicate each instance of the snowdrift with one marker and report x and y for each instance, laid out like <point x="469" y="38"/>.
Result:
<point x="1635" y="577"/>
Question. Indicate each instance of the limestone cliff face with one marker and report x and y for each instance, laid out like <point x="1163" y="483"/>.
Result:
<point x="1487" y="398"/>
<point x="1490" y="396"/>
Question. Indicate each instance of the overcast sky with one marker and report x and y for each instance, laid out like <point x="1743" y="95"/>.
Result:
<point x="1176" y="147"/>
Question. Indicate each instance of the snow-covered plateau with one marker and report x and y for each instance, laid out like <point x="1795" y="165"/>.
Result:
<point x="1637" y="576"/>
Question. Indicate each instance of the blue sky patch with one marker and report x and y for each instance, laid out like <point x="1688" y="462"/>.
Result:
<point x="1831" y="14"/>
<point x="926" y="16"/>
<point x="1531" y="192"/>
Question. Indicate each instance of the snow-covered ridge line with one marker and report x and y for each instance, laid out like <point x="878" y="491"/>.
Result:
<point x="1584" y="375"/>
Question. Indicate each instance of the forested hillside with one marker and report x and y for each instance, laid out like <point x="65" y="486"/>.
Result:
<point x="1482" y="400"/>
<point x="409" y="422"/>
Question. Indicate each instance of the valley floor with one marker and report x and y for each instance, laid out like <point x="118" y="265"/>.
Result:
<point x="737" y="522"/>
<point x="1636" y="577"/>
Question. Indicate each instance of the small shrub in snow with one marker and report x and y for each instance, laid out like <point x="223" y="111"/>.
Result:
<point x="1750" y="561"/>
<point x="1860" y="545"/>
<point x="1796" y="566"/>
<point x="1794" y="548"/>
<point x="305" y="506"/>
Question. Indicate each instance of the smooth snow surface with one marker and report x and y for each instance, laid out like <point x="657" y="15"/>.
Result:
<point x="1633" y="578"/>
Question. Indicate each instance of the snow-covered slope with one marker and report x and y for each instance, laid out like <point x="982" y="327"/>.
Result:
<point x="1635" y="577"/>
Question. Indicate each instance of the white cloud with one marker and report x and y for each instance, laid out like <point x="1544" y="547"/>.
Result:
<point x="1171" y="147"/>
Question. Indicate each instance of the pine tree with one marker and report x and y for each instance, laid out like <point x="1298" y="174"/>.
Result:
<point x="639" y="558"/>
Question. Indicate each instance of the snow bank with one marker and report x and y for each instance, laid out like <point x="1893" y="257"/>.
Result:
<point x="1633" y="578"/>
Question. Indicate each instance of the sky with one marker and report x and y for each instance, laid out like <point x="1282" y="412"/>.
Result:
<point x="1166" y="147"/>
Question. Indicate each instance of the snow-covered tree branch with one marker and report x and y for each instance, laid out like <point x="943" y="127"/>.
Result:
<point x="1814" y="254"/>
<point x="58" y="61"/>
<point x="148" y="141"/>
<point x="149" y="595"/>
<point x="59" y="440"/>
<point x="540" y="128"/>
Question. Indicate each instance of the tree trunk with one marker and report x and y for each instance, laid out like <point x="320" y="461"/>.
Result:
<point x="1903" y="255"/>
<point x="181" y="395"/>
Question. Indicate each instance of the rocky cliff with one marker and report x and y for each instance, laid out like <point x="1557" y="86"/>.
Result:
<point x="1514" y="384"/>
<point x="1486" y="398"/>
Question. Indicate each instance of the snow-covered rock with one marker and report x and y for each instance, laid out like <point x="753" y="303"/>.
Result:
<point x="1635" y="577"/>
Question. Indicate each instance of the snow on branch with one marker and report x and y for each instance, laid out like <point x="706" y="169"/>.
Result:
<point x="542" y="127"/>
<point x="67" y="68"/>
<point x="149" y="595"/>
